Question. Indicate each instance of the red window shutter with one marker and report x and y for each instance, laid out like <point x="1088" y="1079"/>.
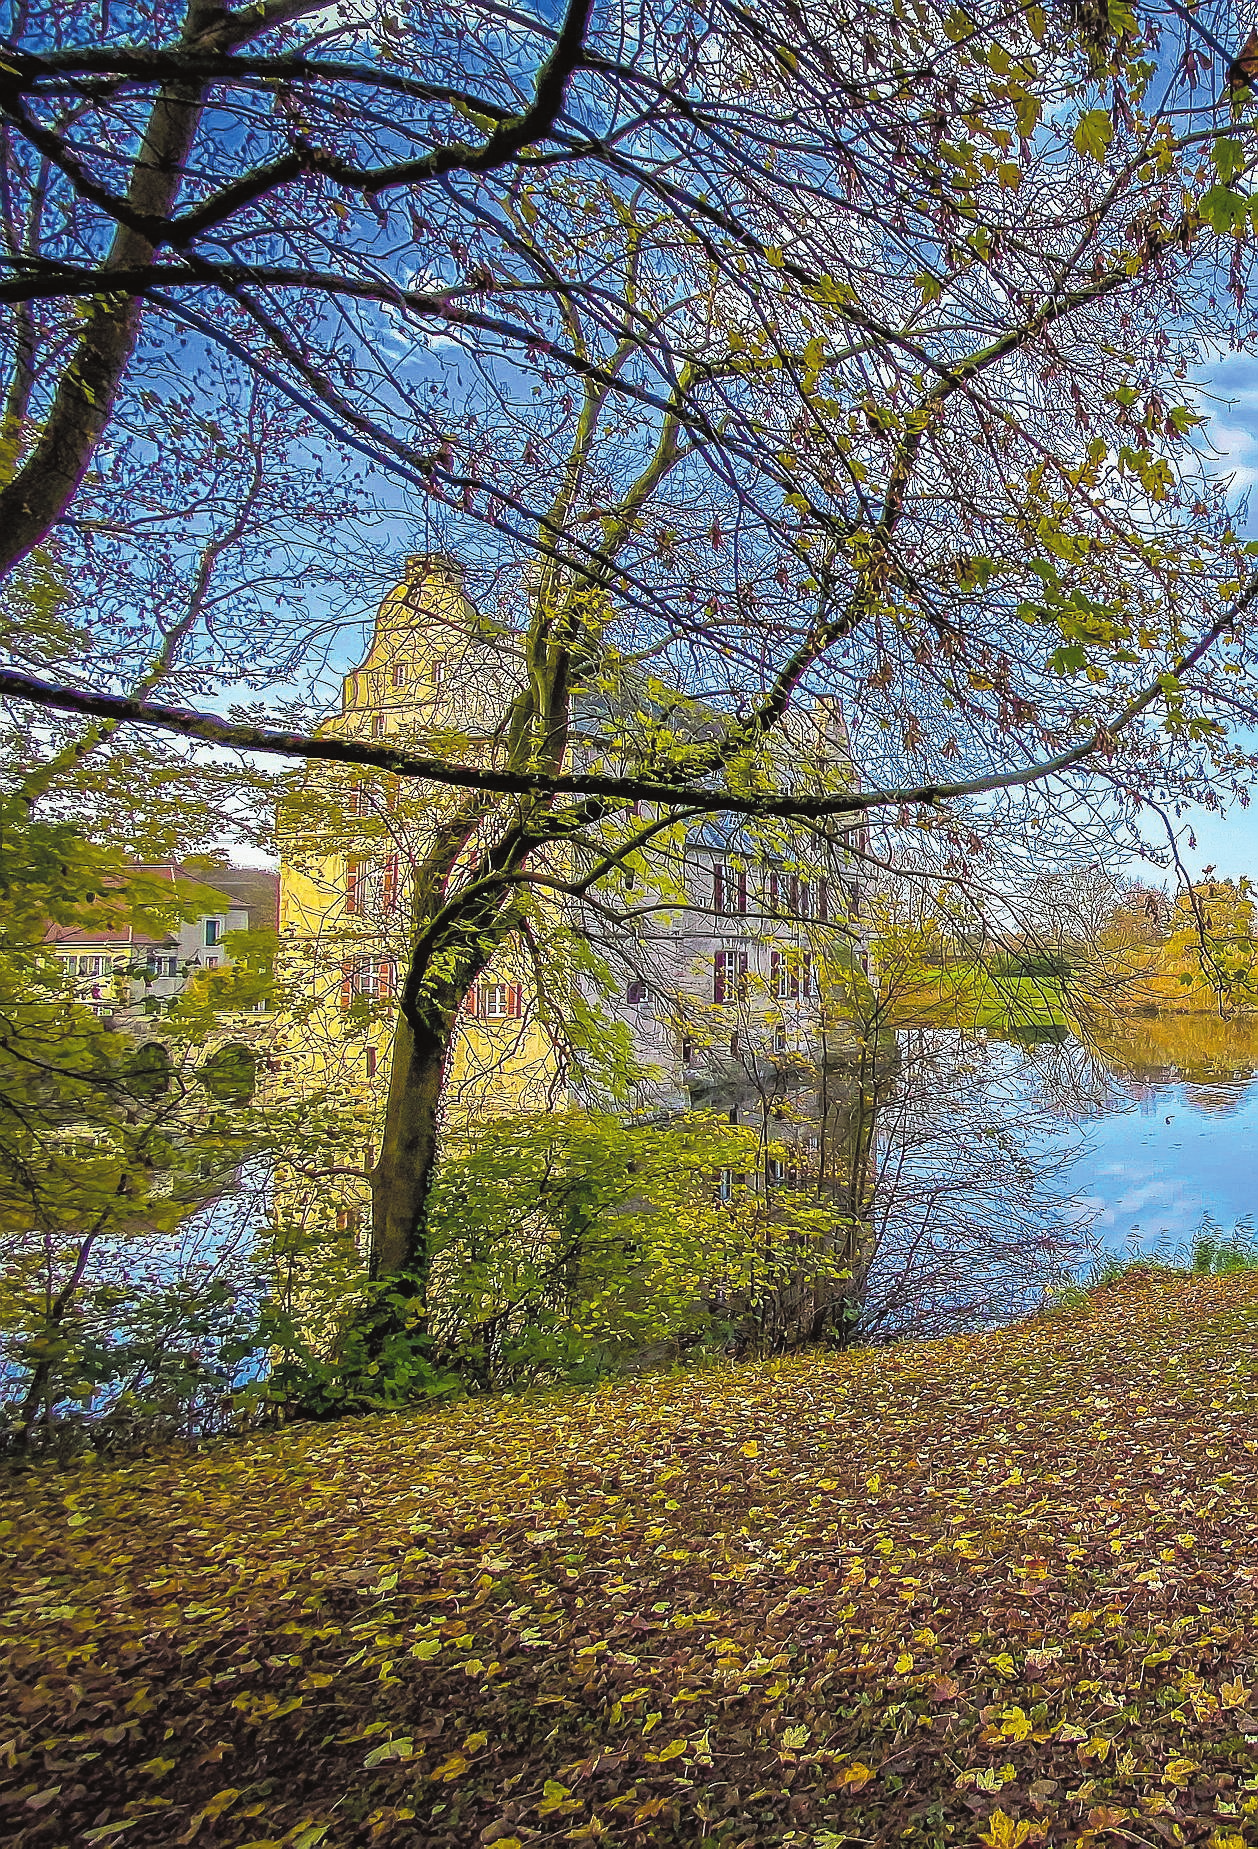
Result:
<point x="742" y="976"/>
<point x="805" y="895"/>
<point x="385" y="981"/>
<point x="823" y="901"/>
<point x="469" y="1001"/>
<point x="742" y="889"/>
<point x="775" y="892"/>
<point x="389" y="888"/>
<point x="347" y="982"/>
<point x="353" y="887"/>
<point x="515" y="1000"/>
<point x="718" y="977"/>
<point x="718" y="888"/>
<point x="792" y="893"/>
<point x="775" y="972"/>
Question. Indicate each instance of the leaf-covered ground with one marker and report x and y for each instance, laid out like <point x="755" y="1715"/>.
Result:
<point x="996" y="1590"/>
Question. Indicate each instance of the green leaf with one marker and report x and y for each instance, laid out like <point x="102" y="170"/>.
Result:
<point x="392" y="1749"/>
<point x="1094" y="133"/>
<point x="1228" y="155"/>
<point x="1224" y="210"/>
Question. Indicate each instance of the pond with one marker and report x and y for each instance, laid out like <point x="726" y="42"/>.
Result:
<point x="1167" y="1128"/>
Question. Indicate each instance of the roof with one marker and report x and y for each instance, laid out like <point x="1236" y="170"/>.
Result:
<point x="82" y="939"/>
<point x="256" y="888"/>
<point x="253" y="889"/>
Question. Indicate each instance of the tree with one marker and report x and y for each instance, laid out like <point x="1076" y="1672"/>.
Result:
<point x="107" y="1143"/>
<point x="899" y="417"/>
<point x="575" y="1242"/>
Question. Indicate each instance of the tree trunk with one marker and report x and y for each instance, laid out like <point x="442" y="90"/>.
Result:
<point x="47" y="481"/>
<point x="402" y="1178"/>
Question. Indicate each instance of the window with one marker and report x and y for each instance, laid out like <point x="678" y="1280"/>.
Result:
<point x="213" y="930"/>
<point x="377" y="725"/>
<point x="369" y="977"/>
<point x="398" y="674"/>
<point x="788" y="895"/>
<point x="156" y="967"/>
<point x="783" y="976"/>
<point x="729" y="975"/>
<point x="437" y="671"/>
<point x="729" y="888"/>
<point x="354" y="888"/>
<point x="348" y="1219"/>
<point x="735" y="1046"/>
<point x="791" y="975"/>
<point x="687" y="1052"/>
<point x="636" y="993"/>
<point x="95" y="966"/>
<point x="497" y="1001"/>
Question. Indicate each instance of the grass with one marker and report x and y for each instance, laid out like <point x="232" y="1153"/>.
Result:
<point x="971" y="995"/>
<point x="1000" y="1589"/>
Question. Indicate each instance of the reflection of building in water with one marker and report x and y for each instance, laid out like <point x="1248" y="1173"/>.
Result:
<point x="738" y="943"/>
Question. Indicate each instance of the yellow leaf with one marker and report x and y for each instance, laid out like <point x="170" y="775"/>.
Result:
<point x="1094" y="133"/>
<point x="453" y="1767"/>
<point x="1233" y="1694"/>
<point x="854" y="1777"/>
<point x="1005" y="1832"/>
<point x="1179" y="1771"/>
<point x="752" y="1449"/>
<point x="1015" y="1724"/>
<point x="903" y="1663"/>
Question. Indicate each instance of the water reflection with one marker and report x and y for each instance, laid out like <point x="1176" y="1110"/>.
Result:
<point x="1168" y="1107"/>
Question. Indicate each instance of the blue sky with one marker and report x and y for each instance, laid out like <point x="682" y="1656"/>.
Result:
<point x="1229" y="842"/>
